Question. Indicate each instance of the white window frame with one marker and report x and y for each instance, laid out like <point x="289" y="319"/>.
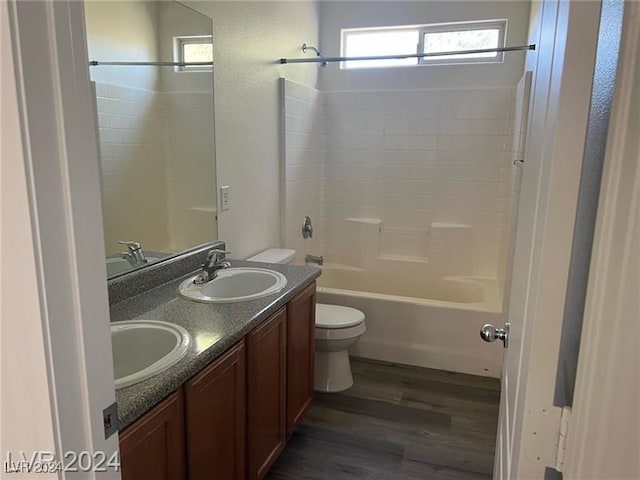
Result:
<point x="178" y="51"/>
<point x="500" y="25"/>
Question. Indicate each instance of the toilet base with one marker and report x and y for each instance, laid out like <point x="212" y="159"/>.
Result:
<point x="332" y="371"/>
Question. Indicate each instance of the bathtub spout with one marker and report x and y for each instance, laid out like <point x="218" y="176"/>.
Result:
<point x="314" y="259"/>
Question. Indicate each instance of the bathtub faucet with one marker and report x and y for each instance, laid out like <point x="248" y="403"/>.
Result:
<point x="314" y="259"/>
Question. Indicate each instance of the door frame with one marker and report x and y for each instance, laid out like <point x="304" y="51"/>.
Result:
<point x="602" y="441"/>
<point x="62" y="198"/>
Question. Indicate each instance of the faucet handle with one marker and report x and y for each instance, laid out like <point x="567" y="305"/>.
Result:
<point x="213" y="255"/>
<point x="130" y="245"/>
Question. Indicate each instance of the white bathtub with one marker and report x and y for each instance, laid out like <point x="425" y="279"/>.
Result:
<point x="418" y="321"/>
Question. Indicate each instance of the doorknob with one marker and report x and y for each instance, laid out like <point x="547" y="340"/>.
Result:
<point x="489" y="333"/>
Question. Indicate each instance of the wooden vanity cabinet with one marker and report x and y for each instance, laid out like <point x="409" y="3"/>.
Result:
<point x="267" y="390"/>
<point x="153" y="447"/>
<point x="216" y="419"/>
<point x="301" y="324"/>
<point x="237" y="412"/>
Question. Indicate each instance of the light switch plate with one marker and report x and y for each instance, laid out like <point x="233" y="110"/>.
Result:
<point x="225" y="197"/>
<point x="110" y="420"/>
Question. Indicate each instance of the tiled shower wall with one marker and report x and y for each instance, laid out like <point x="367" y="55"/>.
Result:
<point x="403" y="177"/>
<point x="305" y="138"/>
<point x="433" y="166"/>
<point x="133" y="135"/>
<point x="151" y="193"/>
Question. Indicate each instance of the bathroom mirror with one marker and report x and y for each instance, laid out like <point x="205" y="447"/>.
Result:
<point x="155" y="129"/>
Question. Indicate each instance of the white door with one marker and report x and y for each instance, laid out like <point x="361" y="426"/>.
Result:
<point x="565" y="34"/>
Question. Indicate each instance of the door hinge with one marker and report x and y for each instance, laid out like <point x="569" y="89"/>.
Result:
<point x="565" y="419"/>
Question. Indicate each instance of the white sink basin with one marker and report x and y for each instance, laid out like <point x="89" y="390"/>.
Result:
<point x="235" y="285"/>
<point x="120" y="265"/>
<point x="143" y="348"/>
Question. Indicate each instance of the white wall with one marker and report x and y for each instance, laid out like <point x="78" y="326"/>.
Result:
<point x="249" y="37"/>
<point x="191" y="168"/>
<point x="361" y="14"/>
<point x="123" y="31"/>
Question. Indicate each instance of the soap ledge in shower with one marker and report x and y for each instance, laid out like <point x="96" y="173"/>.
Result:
<point x="404" y="258"/>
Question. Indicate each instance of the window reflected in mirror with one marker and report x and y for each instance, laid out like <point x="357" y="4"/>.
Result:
<point x="155" y="128"/>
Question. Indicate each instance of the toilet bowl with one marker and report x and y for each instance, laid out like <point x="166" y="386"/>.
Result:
<point x="337" y="329"/>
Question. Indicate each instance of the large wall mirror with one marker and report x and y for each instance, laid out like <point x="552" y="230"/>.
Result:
<point x="155" y="128"/>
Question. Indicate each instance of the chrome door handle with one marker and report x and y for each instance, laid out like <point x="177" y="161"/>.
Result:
<point x="489" y="333"/>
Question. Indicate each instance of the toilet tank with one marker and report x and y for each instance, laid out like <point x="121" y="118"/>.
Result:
<point x="274" y="255"/>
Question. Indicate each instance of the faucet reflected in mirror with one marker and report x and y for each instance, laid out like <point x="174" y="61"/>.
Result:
<point x="155" y="128"/>
<point x="134" y="254"/>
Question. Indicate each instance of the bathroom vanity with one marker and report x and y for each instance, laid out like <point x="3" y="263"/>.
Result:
<point x="226" y="409"/>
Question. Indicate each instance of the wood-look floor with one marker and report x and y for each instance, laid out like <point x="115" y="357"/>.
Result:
<point x="397" y="422"/>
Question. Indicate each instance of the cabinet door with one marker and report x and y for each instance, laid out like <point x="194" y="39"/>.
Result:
<point x="153" y="447"/>
<point x="301" y="324"/>
<point x="216" y="412"/>
<point x="266" y="353"/>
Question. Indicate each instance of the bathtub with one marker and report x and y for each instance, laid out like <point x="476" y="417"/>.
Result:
<point x="432" y="323"/>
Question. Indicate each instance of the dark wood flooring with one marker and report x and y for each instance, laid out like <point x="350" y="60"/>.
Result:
<point x="397" y="422"/>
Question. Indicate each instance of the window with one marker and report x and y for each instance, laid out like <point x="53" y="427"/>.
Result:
<point x="465" y="36"/>
<point x="450" y="37"/>
<point x="194" y="49"/>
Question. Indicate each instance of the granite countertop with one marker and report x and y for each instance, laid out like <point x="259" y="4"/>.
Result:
<point x="214" y="329"/>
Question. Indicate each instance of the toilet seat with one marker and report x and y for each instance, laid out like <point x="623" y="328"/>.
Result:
<point x="337" y="316"/>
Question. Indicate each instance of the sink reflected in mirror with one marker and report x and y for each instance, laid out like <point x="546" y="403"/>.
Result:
<point x="143" y="348"/>
<point x="116" y="266"/>
<point x="234" y="285"/>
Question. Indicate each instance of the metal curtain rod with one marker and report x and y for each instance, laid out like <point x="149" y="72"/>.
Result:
<point x="407" y="55"/>
<point x="95" y="63"/>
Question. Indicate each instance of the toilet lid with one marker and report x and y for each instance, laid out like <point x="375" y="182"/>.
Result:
<point x="337" y="316"/>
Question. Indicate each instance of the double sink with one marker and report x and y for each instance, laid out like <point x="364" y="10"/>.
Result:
<point x="143" y="348"/>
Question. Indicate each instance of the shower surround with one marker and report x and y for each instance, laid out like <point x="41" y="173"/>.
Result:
<point x="413" y="184"/>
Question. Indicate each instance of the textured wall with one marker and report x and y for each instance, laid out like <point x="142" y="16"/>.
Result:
<point x="249" y="37"/>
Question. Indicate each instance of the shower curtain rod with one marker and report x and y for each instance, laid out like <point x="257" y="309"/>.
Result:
<point x="95" y="63"/>
<point x="406" y="55"/>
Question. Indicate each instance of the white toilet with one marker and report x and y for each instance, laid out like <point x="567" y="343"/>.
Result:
<point x="337" y="329"/>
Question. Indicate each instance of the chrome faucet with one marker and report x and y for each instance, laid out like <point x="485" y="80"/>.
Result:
<point x="134" y="254"/>
<point x="215" y="261"/>
<point x="314" y="259"/>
